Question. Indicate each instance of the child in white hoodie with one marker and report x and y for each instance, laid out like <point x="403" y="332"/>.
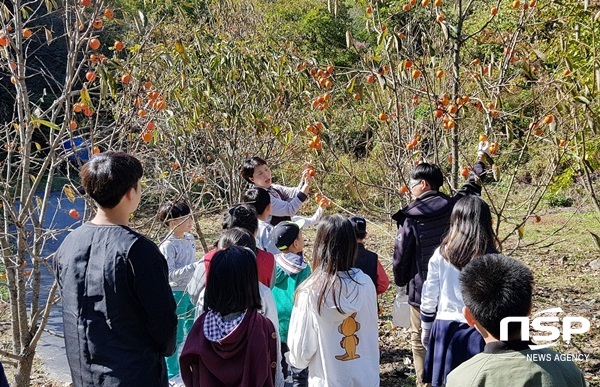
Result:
<point x="333" y="327"/>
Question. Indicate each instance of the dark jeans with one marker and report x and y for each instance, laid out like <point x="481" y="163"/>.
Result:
<point x="299" y="377"/>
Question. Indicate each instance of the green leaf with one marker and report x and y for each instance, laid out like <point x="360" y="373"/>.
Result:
<point x="181" y="50"/>
<point x="582" y="99"/>
<point x="397" y="43"/>
<point x="540" y="55"/>
<point x="39" y="121"/>
<point x="85" y="97"/>
<point x="388" y="43"/>
<point x="521" y="231"/>
<point x="350" y="87"/>
<point x="108" y="82"/>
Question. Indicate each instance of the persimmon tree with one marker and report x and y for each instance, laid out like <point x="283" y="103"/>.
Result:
<point x="52" y="128"/>
<point x="436" y="79"/>
<point x="222" y="100"/>
<point x="575" y="58"/>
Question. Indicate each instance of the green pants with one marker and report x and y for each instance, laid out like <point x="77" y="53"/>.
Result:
<point x="185" y="320"/>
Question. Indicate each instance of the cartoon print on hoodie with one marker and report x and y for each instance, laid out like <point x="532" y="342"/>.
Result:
<point x="349" y="342"/>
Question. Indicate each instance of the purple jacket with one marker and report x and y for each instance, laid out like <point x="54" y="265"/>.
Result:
<point x="245" y="357"/>
<point x="421" y="226"/>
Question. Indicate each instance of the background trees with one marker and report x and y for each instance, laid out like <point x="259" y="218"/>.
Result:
<point x="364" y="90"/>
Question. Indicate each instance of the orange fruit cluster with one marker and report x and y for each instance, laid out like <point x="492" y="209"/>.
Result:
<point x="412" y="144"/>
<point x="321" y="102"/>
<point x="315" y="128"/>
<point x="4" y="40"/>
<point x="94" y="44"/>
<point x="323" y="200"/>
<point x="448" y="122"/>
<point x="315" y="143"/>
<point x="493" y="149"/>
<point x="323" y="76"/>
<point x="90" y="76"/>
<point x="98" y="58"/>
<point x="384" y="69"/>
<point x="80" y="107"/>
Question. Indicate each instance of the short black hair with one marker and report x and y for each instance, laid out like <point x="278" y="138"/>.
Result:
<point x="173" y="210"/>
<point x="108" y="176"/>
<point x="248" y="166"/>
<point x="431" y="173"/>
<point x="237" y="236"/>
<point x="495" y="286"/>
<point x="259" y="198"/>
<point x="360" y="226"/>
<point x="241" y="215"/>
<point x="232" y="284"/>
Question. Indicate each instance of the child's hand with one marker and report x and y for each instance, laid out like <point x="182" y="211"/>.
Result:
<point x="307" y="180"/>
<point x="484" y="152"/>
<point x="323" y="200"/>
<point x="483" y="148"/>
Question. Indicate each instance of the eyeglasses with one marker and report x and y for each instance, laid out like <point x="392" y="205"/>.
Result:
<point x="414" y="183"/>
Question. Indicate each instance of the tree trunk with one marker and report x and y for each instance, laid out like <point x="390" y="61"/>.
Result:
<point x="23" y="374"/>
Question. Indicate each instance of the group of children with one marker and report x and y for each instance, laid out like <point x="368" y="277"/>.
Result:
<point x="253" y="312"/>
<point x="336" y="285"/>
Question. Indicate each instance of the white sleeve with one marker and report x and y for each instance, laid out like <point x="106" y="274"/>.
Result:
<point x="312" y="220"/>
<point x="290" y="192"/>
<point x="169" y="252"/>
<point x="197" y="282"/>
<point x="281" y="207"/>
<point x="431" y="289"/>
<point x="302" y="337"/>
<point x="183" y="275"/>
<point x="269" y="310"/>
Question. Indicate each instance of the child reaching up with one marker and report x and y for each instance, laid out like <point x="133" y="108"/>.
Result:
<point x="231" y="343"/>
<point x="285" y="201"/>
<point x="446" y="335"/>
<point x="291" y="271"/>
<point x="179" y="249"/>
<point x="260" y="199"/>
<point x="333" y="326"/>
